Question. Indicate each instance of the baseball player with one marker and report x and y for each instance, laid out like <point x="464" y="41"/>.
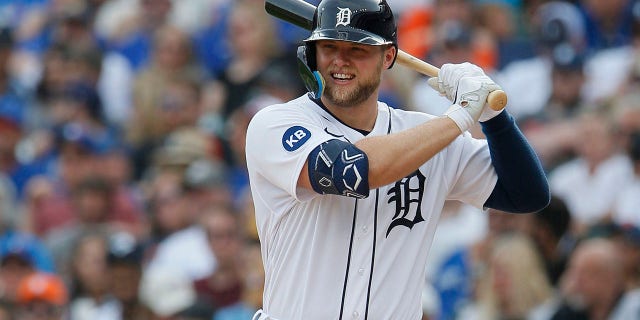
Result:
<point x="348" y="190"/>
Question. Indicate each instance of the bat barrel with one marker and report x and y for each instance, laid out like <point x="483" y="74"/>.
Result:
<point x="299" y="13"/>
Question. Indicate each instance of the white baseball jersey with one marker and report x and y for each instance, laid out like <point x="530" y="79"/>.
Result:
<point x="336" y="257"/>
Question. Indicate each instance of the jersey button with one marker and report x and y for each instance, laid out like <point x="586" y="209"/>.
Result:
<point x="361" y="271"/>
<point x="355" y="314"/>
<point x="365" y="229"/>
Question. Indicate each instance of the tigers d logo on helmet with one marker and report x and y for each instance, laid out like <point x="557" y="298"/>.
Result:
<point x="343" y="17"/>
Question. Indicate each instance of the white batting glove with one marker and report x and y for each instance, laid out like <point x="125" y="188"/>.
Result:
<point x="471" y="101"/>
<point x="446" y="83"/>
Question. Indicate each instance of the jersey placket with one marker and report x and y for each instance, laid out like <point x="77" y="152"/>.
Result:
<point x="362" y="256"/>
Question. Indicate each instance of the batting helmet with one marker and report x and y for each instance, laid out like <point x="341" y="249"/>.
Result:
<point x="361" y="21"/>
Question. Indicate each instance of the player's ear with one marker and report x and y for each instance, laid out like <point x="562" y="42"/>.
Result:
<point x="390" y="53"/>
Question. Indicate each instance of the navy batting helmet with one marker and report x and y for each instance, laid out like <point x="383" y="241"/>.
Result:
<point x="368" y="22"/>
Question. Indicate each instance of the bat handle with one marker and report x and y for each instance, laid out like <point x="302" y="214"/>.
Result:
<point x="497" y="99"/>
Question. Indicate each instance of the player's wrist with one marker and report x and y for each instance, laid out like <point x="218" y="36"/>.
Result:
<point x="460" y="116"/>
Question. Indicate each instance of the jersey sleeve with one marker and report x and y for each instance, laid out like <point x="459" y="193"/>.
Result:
<point x="279" y="140"/>
<point x="473" y="176"/>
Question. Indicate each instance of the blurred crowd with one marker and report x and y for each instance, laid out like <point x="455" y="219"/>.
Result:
<point x="123" y="189"/>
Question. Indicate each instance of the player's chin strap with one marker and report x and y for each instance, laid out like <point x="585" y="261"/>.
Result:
<point x="313" y="81"/>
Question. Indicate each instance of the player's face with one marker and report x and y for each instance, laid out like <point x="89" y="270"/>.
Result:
<point x="352" y="71"/>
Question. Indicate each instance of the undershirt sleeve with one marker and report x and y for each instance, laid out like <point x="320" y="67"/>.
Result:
<point x="522" y="185"/>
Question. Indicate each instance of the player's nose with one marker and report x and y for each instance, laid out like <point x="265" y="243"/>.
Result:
<point x="341" y="57"/>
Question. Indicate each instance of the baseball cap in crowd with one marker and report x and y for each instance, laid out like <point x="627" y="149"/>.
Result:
<point x="76" y="133"/>
<point x="11" y="113"/>
<point x="42" y="287"/>
<point x="454" y="34"/>
<point x="560" y="22"/>
<point x="86" y="96"/>
<point x="123" y="248"/>
<point x="566" y="58"/>
<point x="166" y="292"/>
<point x="26" y="249"/>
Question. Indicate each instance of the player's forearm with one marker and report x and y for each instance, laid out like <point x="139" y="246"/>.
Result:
<point x="395" y="156"/>
<point x="522" y="185"/>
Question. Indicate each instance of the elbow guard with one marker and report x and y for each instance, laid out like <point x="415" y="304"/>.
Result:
<point x="338" y="167"/>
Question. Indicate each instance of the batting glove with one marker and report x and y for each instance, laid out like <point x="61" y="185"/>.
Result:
<point x="471" y="101"/>
<point x="446" y="83"/>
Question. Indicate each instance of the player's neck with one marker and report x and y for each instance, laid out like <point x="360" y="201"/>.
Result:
<point x="362" y="116"/>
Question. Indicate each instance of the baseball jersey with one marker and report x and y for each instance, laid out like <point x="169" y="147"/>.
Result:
<point x="336" y="257"/>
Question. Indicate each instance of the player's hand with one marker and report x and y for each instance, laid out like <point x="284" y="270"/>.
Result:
<point x="470" y="104"/>
<point x="448" y="79"/>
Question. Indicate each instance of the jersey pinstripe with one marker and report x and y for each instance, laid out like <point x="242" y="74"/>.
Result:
<point x="334" y="257"/>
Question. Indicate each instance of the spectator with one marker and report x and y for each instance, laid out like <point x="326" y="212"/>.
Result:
<point x="593" y="286"/>
<point x="500" y="19"/>
<point x="255" y="47"/>
<point x="558" y="34"/>
<point x="172" y="60"/>
<point x="178" y="241"/>
<point x="92" y="210"/>
<point x="608" y="23"/>
<point x="90" y="296"/>
<point x="552" y="235"/>
<point x="224" y="287"/>
<point x="515" y="284"/>
<point x="590" y="183"/>
<point x="629" y="241"/>
<point x="124" y="271"/>
<point x="552" y="131"/>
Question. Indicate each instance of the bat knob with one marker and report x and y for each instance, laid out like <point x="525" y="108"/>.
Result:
<point x="497" y="100"/>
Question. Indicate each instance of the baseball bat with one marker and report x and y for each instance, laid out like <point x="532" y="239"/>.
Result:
<point x="300" y="13"/>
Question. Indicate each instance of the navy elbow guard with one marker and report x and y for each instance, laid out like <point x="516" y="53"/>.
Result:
<point x="339" y="167"/>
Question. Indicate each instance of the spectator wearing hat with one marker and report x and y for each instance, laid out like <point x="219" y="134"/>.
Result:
<point x="558" y="34"/>
<point x="553" y="129"/>
<point x="20" y="255"/>
<point x="124" y="271"/>
<point x="14" y="267"/>
<point x="42" y="296"/>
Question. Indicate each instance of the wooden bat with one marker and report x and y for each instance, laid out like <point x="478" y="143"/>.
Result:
<point x="300" y="13"/>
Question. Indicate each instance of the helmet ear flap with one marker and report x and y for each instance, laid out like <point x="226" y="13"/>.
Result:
<point x="310" y="55"/>
<point x="311" y="78"/>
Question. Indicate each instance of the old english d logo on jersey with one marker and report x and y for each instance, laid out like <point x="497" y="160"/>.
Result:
<point x="343" y="17"/>
<point x="407" y="194"/>
<point x="295" y="137"/>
